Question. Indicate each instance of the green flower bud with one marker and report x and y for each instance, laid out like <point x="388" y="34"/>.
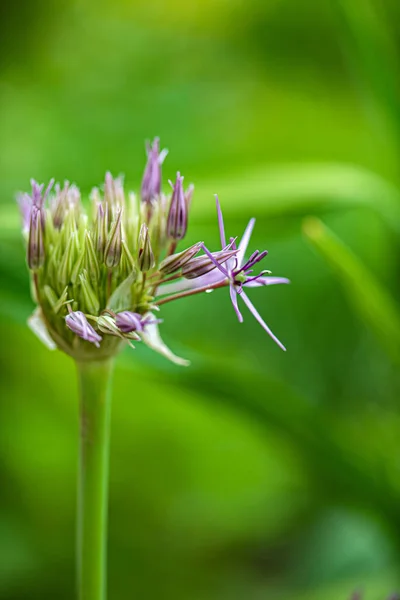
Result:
<point x="90" y="301"/>
<point x="145" y="253"/>
<point x="112" y="253"/>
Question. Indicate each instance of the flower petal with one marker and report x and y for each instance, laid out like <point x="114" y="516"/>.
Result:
<point x="151" y="337"/>
<point x="190" y="284"/>
<point x="233" y="294"/>
<point x="259" y="318"/>
<point x="220" y="224"/>
<point x="244" y="242"/>
<point x="261" y="281"/>
<point x="37" y="325"/>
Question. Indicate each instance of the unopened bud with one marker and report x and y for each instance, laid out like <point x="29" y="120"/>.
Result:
<point x="90" y="300"/>
<point x="36" y="255"/>
<point x="127" y="321"/>
<point x="175" y="262"/>
<point x="201" y="265"/>
<point x="112" y="253"/>
<point x="151" y="183"/>
<point x="78" y="323"/>
<point x="101" y="231"/>
<point x="130" y="322"/>
<point x="178" y="213"/>
<point x="107" y="325"/>
<point x="145" y="253"/>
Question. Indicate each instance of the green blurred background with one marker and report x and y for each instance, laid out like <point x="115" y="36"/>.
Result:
<point x="254" y="474"/>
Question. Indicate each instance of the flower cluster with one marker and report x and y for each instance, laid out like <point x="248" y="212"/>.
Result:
<point x="98" y="276"/>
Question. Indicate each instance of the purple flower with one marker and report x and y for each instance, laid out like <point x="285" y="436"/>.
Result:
<point x="240" y="275"/>
<point x="236" y="272"/>
<point x="151" y="183"/>
<point x="79" y="324"/>
<point x="127" y="321"/>
<point x="178" y="211"/>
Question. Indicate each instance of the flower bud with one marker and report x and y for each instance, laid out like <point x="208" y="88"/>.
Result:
<point x="201" y="265"/>
<point x="59" y="204"/>
<point x="112" y="253"/>
<point x="36" y="255"/>
<point x="151" y="183"/>
<point x="78" y="323"/>
<point x="178" y="213"/>
<point x="101" y="228"/>
<point x="89" y="298"/>
<point x="127" y="321"/>
<point x="145" y="253"/>
<point x="175" y="262"/>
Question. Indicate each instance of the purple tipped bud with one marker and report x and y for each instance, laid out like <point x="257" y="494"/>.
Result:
<point x="112" y="253"/>
<point x="36" y="255"/>
<point x="78" y="323"/>
<point x="38" y="198"/>
<point x="101" y="231"/>
<point x="60" y="204"/>
<point x="151" y="183"/>
<point x="145" y="253"/>
<point x="128" y="322"/>
<point x="173" y="263"/>
<point x="203" y="264"/>
<point x="178" y="213"/>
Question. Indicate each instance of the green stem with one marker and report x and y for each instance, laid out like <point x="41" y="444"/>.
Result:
<point x="95" y="406"/>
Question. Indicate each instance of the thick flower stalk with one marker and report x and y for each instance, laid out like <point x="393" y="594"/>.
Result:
<point x="100" y="275"/>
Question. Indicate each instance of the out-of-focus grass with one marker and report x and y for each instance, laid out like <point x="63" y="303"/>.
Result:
<point x="253" y="474"/>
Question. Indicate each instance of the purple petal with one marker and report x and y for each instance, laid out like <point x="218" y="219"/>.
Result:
<point x="220" y="223"/>
<point x="261" y="281"/>
<point x="244" y="242"/>
<point x="214" y="260"/>
<point x="259" y="318"/>
<point x="184" y="285"/>
<point x="233" y="294"/>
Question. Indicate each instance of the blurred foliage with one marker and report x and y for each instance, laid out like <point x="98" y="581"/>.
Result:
<point x="254" y="474"/>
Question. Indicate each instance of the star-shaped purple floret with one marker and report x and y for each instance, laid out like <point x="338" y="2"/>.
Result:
<point x="237" y="272"/>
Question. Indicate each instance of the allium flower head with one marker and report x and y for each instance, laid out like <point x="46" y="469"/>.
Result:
<point x="99" y="275"/>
